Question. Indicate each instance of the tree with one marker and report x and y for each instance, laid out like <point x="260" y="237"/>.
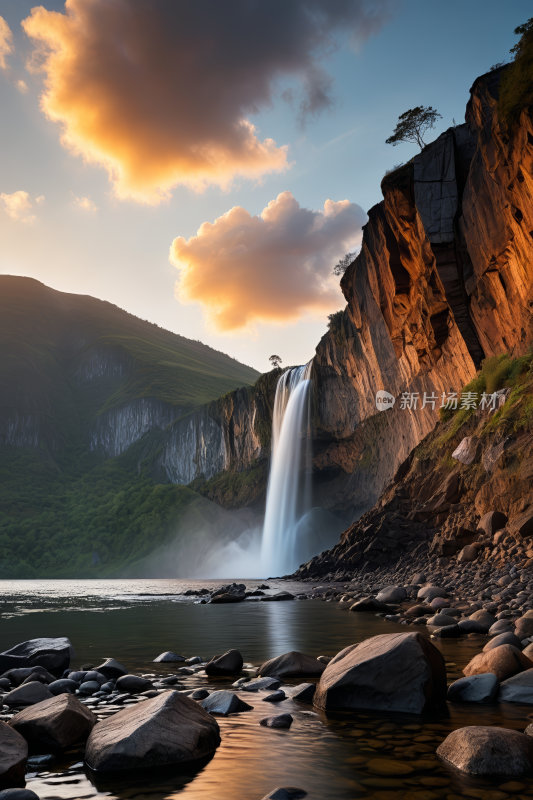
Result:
<point x="275" y="361"/>
<point x="413" y="124"/>
<point x="342" y="265"/>
<point x="516" y="86"/>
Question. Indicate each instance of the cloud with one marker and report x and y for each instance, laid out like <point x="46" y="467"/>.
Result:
<point x="6" y="37"/>
<point x="276" y="267"/>
<point x="85" y="203"/>
<point x="160" y="93"/>
<point x="17" y="206"/>
<point x="40" y="199"/>
<point x="22" y="86"/>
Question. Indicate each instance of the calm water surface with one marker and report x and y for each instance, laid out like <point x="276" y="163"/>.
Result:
<point x="327" y="755"/>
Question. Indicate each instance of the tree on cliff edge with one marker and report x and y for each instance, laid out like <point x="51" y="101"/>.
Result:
<point x="275" y="361"/>
<point x="413" y="124"/>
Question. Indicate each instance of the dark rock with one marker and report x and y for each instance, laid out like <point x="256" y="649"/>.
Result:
<point x="227" y="598"/>
<point x="281" y="721"/>
<point x="13" y="756"/>
<point x="77" y="676"/>
<point x="224" y="702"/>
<point x="89" y="687"/>
<point x="263" y="586"/>
<point x="133" y="683"/>
<point x="227" y="664"/>
<point x="112" y="669"/>
<point x="38" y="763"/>
<point x="481" y="750"/>
<point x="392" y="595"/>
<point x="55" y="723"/>
<point x="27" y="695"/>
<point x="304" y="692"/>
<point x="429" y="593"/>
<point x="18" y="676"/>
<point x="448" y="632"/>
<point x="285" y="793"/>
<point x="169" y="729"/>
<point x="418" y="610"/>
<point x="517" y="689"/>
<point x="401" y="672"/>
<point x="93" y="675"/>
<point x="53" y="654"/>
<point x="504" y="661"/>
<point x="291" y="664"/>
<point x="193" y="660"/>
<point x="18" y="794"/>
<point x="370" y="605"/>
<point x="491" y="522"/>
<point x="199" y="694"/>
<point x="260" y="684"/>
<point x="483" y="617"/>
<point x="63" y="686"/>
<point x="168" y="656"/>
<point x="475" y="689"/>
<point x="503" y="638"/>
<point x="237" y="589"/>
<point x="472" y="626"/>
<point x="276" y="697"/>
<point x="440" y="620"/>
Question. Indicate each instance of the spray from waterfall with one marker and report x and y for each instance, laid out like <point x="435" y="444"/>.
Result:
<point x="288" y="496"/>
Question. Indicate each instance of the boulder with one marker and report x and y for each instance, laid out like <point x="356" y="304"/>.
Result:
<point x="304" y="692"/>
<point x="53" y="654"/>
<point x="224" y="702"/>
<point x="518" y="689"/>
<point x="429" y="593"/>
<point x="392" y="594"/>
<point x="484" y="617"/>
<point x="28" y="694"/>
<point x="370" y="605"/>
<point x="281" y="721"/>
<point x="198" y="694"/>
<point x="13" y="757"/>
<point x="472" y="626"/>
<point x="227" y="598"/>
<point x="501" y="626"/>
<point x="419" y="610"/>
<point x="466" y="452"/>
<point x="524" y="627"/>
<point x="275" y="697"/>
<point x="492" y="522"/>
<point x="112" y="669"/>
<point x="482" y="750"/>
<point x="504" y="661"/>
<point x="401" y="672"/>
<point x="133" y="683"/>
<point x="418" y="579"/>
<point x="168" y="656"/>
<point x="292" y="664"/>
<point x="503" y="638"/>
<point x="55" y="724"/>
<point x="284" y="793"/>
<point x="236" y="589"/>
<point x="468" y="553"/>
<point x="18" y="676"/>
<point x="528" y="651"/>
<point x="228" y="664"/>
<point x="440" y="620"/>
<point x="63" y="686"/>
<point x="475" y="689"/>
<point x="437" y="603"/>
<point x="90" y="687"/>
<point x="18" y="794"/>
<point x="448" y="632"/>
<point x="94" y="675"/>
<point x="260" y="685"/>
<point x="168" y="729"/>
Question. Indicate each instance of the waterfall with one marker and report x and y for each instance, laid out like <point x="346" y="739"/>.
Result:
<point x="288" y="495"/>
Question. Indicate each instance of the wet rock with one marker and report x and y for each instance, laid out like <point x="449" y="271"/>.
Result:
<point x="504" y="661"/>
<point x="199" y="694"/>
<point x="472" y="626"/>
<point x="260" y="684"/>
<point x="63" y="686"/>
<point x="227" y="664"/>
<point x="518" y="689"/>
<point x="227" y="598"/>
<point x="474" y="689"/>
<point x="224" y="702"/>
<point x="170" y="729"/>
<point x="236" y="589"/>
<point x="18" y="794"/>
<point x="401" y="672"/>
<point x="94" y="675"/>
<point x="370" y="605"/>
<point x="482" y="750"/>
<point x="304" y="692"/>
<point x="448" y="632"/>
<point x="503" y="638"/>
<point x="38" y="763"/>
<point x="281" y="721"/>
<point x="284" y="793"/>
<point x="27" y="695"/>
<point x="112" y="669"/>
<point x="418" y="610"/>
<point x="193" y="660"/>
<point x="13" y="756"/>
<point x="276" y="697"/>
<point x="53" y="654"/>
<point x="18" y="676"/>
<point x="292" y="664"/>
<point x="440" y="620"/>
<point x="55" y="723"/>
<point x="133" y="683"/>
<point x="89" y="687"/>
<point x="168" y="656"/>
<point x="429" y="593"/>
<point x="392" y="595"/>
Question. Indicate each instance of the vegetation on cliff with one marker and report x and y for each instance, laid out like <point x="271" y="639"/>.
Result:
<point x="516" y="87"/>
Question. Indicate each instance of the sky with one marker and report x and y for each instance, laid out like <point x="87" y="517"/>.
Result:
<point x="205" y="165"/>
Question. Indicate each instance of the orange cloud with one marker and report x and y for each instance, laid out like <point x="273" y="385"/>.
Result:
<point x="84" y="203"/>
<point x="276" y="267"/>
<point x="6" y="37"/>
<point x="22" y="86"/>
<point x="17" y="206"/>
<point x="160" y="93"/>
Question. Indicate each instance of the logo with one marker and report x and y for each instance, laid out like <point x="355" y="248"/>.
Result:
<point x="384" y="400"/>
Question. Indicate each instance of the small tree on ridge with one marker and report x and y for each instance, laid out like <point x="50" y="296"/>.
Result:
<point x="413" y="124"/>
<point x="275" y="361"/>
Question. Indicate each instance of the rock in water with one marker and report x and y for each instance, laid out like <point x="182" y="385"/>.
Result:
<point x="54" y="654"/>
<point x="55" y="723"/>
<point x="224" y="702"/>
<point x="168" y="656"/>
<point x="401" y="672"/>
<point x="304" y="692"/>
<point x="260" y="684"/>
<point x="504" y="661"/>
<point x="133" y="683"/>
<point x="281" y="721"/>
<point x="284" y="793"/>
<point x="475" y="689"/>
<point x="112" y="669"/>
<point x="518" y="689"/>
<point x="13" y="757"/>
<point x="169" y="729"/>
<point x="228" y="664"/>
<point x="480" y="750"/>
<point x="28" y="694"/>
<point x="392" y="594"/>
<point x="290" y="664"/>
<point x="63" y="686"/>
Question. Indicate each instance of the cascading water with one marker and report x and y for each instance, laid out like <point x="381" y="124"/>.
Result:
<point x="288" y="493"/>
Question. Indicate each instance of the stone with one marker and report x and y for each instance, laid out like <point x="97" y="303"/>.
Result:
<point x="53" y="654"/>
<point x="279" y="596"/>
<point x="260" y="684"/>
<point x="284" y="793"/>
<point x="112" y="669"/>
<point x="93" y="675"/>
<point x="292" y="664"/>
<point x="304" y="692"/>
<point x="466" y="452"/>
<point x="484" y="617"/>
<point x="392" y="595"/>
<point x="419" y="610"/>
<point x="472" y="626"/>
<point x="227" y="598"/>
<point x="468" y="553"/>
<point x="13" y="757"/>
<point x="399" y="672"/>
<point x="63" y="686"/>
<point x="281" y="721"/>
<point x="474" y="689"/>
<point x="199" y="694"/>
<point x="482" y="750"/>
<point x="448" y="632"/>
<point x="224" y="702"/>
<point x="438" y="602"/>
<point x="518" y="688"/>
<point x="89" y="687"/>
<point x="28" y="694"/>
<point x="429" y="593"/>
<point x="275" y="697"/>
<point x="528" y="651"/>
<point x="18" y="676"/>
<point x="524" y="627"/>
<point x="504" y="661"/>
<point x="418" y="579"/>
<point x="228" y="664"/>
<point x="55" y="724"/>
<point x="168" y="729"/>
<point x="133" y="683"/>
<point x="440" y="620"/>
<point x="492" y="522"/>
<point x="168" y="656"/>
<point x="369" y="605"/>
<point x="522" y="525"/>
<point x="388" y="768"/>
<point x="503" y="638"/>
<point x="18" y="794"/>
<point x="500" y="626"/>
<point x="237" y="589"/>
